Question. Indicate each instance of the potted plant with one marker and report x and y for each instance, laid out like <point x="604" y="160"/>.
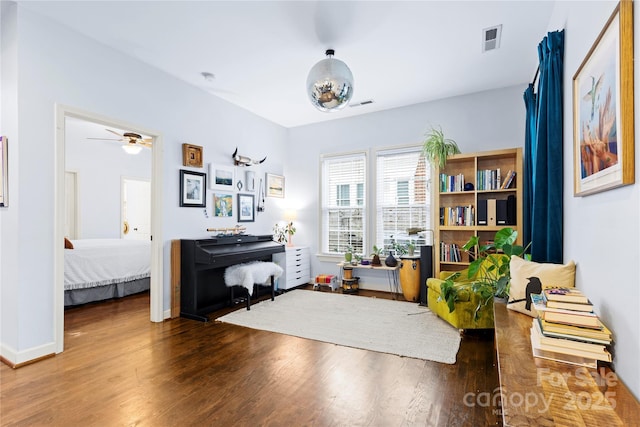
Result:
<point x="401" y="249"/>
<point x="348" y="254"/>
<point x="376" y="255"/>
<point x="436" y="147"/>
<point x="489" y="271"/>
<point x="410" y="248"/>
<point x="291" y="230"/>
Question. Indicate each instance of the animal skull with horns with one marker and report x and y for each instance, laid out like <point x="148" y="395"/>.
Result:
<point x="239" y="160"/>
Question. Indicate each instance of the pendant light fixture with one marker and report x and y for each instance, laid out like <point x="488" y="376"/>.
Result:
<point x="330" y="84"/>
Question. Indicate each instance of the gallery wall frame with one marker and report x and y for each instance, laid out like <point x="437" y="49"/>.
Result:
<point x="275" y="185"/>
<point x="192" y="155"/>
<point x="222" y="205"/>
<point x="193" y="189"/>
<point x="4" y="172"/>
<point x="603" y="111"/>
<point x="246" y="208"/>
<point x="222" y="177"/>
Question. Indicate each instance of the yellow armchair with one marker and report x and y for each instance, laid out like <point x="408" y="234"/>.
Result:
<point x="464" y="315"/>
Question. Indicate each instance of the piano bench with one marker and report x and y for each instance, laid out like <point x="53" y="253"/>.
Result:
<point x="250" y="275"/>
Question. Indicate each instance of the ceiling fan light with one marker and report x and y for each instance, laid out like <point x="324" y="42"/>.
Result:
<point x="131" y="148"/>
<point x="330" y="84"/>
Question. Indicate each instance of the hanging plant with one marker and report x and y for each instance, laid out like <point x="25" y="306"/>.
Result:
<point x="436" y="147"/>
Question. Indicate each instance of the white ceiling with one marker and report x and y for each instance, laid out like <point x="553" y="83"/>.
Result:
<point x="400" y="53"/>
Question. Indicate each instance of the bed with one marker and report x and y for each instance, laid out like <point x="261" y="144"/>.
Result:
<point x="99" y="269"/>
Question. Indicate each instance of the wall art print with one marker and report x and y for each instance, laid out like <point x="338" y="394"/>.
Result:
<point x="603" y="109"/>
<point x="193" y="188"/>
<point x="223" y="205"/>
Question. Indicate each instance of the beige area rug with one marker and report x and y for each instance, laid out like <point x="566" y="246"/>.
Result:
<point x="387" y="326"/>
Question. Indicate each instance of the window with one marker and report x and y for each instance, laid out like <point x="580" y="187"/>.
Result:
<point x="343" y="201"/>
<point x="402" y="197"/>
<point x="343" y="195"/>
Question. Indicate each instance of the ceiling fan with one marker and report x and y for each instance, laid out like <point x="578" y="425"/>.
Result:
<point x="133" y="142"/>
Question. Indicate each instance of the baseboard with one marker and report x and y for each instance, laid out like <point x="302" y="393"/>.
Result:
<point x="167" y="314"/>
<point x="17" y="359"/>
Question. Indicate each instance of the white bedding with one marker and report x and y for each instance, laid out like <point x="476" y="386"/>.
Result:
<point x="99" y="262"/>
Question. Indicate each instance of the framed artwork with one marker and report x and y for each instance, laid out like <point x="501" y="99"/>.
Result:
<point x="275" y="185"/>
<point x="4" y="172"/>
<point x="246" y="208"/>
<point x="222" y="205"/>
<point x="193" y="188"/>
<point x="221" y="177"/>
<point x="192" y="155"/>
<point x="603" y="109"/>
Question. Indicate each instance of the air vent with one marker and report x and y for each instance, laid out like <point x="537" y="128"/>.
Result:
<point x="360" y="104"/>
<point x="491" y="38"/>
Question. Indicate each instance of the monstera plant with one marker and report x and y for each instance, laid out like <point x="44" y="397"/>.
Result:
<point x="488" y="274"/>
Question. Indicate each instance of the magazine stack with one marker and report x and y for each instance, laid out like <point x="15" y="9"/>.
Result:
<point x="567" y="329"/>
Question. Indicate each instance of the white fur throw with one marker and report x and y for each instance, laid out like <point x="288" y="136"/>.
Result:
<point x="248" y="274"/>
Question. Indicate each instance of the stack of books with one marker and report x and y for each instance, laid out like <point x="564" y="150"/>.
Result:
<point x="567" y="329"/>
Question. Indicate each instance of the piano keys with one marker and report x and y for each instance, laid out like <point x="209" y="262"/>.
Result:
<point x="202" y="266"/>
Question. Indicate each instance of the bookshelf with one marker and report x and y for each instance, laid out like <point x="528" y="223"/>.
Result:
<point x="456" y="210"/>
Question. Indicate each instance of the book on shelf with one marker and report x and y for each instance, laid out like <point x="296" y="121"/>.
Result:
<point x="601" y="354"/>
<point x="451" y="183"/>
<point x="489" y="179"/>
<point x="576" y="332"/>
<point x="508" y="180"/>
<point x="565" y="295"/>
<point x="566" y="342"/>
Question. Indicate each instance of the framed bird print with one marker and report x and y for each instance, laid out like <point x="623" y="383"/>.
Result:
<point x="603" y="108"/>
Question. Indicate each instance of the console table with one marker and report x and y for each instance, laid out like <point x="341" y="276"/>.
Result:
<point x="542" y="392"/>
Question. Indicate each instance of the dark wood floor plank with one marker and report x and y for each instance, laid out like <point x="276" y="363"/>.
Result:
<point x="120" y="369"/>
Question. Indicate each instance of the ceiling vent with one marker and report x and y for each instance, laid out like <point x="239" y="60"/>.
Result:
<point x="360" y="104"/>
<point x="491" y="38"/>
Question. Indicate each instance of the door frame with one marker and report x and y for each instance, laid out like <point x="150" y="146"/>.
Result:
<point x="156" y="284"/>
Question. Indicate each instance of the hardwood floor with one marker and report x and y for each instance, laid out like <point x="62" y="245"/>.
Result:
<point x="120" y="369"/>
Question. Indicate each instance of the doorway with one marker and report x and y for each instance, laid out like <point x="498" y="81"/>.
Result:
<point x="155" y="228"/>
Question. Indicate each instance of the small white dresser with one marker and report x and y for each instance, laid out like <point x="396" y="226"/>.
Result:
<point x="296" y="265"/>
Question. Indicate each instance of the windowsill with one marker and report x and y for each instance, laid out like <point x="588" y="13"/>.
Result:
<point x="330" y="258"/>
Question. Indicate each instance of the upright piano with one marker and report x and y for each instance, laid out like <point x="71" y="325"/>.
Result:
<point x="202" y="266"/>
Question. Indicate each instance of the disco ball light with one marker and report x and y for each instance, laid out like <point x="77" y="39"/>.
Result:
<point x="330" y="84"/>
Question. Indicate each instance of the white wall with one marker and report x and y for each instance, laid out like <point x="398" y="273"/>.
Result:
<point x="477" y="122"/>
<point x="100" y="165"/>
<point x="601" y="231"/>
<point x="55" y="65"/>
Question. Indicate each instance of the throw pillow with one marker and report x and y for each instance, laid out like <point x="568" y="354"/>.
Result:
<point x="68" y="244"/>
<point x="528" y="277"/>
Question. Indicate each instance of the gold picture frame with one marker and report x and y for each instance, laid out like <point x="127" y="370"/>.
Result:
<point x="192" y="155"/>
<point x="603" y="116"/>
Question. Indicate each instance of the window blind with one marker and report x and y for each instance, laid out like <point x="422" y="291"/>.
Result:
<point x="343" y="201"/>
<point x="402" y="197"/>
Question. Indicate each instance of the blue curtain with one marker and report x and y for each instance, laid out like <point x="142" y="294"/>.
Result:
<point x="543" y="178"/>
<point x="529" y="155"/>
